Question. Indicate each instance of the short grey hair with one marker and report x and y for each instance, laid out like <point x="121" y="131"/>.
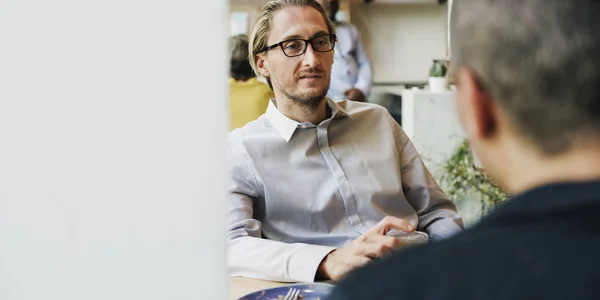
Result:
<point x="539" y="60"/>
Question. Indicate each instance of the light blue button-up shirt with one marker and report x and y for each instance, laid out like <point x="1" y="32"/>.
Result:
<point x="351" y="67"/>
<point x="299" y="190"/>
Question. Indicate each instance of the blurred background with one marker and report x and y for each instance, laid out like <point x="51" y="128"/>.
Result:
<point x="401" y="38"/>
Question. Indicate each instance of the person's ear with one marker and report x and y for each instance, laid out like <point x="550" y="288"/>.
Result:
<point x="262" y="64"/>
<point x="475" y="106"/>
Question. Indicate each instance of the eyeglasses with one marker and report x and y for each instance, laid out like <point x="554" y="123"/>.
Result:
<point x="297" y="47"/>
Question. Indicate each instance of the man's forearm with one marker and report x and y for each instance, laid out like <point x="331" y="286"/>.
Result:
<point x="271" y="260"/>
<point x="445" y="227"/>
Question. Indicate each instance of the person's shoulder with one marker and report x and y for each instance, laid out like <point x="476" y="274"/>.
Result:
<point x="250" y="130"/>
<point x="354" y="106"/>
<point x="261" y="88"/>
<point x="356" y="109"/>
<point x="267" y="91"/>
<point x="449" y="269"/>
<point x="344" y="24"/>
<point x="257" y="82"/>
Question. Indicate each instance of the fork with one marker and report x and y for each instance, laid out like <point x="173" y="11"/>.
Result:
<point x="292" y="294"/>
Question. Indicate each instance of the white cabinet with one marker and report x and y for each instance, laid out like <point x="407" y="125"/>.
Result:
<point x="431" y="122"/>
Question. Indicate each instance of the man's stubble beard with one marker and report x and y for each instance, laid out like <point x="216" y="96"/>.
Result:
<point x="308" y="101"/>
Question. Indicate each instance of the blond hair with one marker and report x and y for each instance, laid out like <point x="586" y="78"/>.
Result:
<point x="262" y="26"/>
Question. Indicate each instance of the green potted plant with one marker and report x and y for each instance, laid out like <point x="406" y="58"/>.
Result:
<point x="463" y="180"/>
<point x="437" y="75"/>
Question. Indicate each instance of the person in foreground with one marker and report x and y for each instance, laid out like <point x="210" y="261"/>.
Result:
<point x="248" y="97"/>
<point x="528" y="95"/>
<point x="315" y="185"/>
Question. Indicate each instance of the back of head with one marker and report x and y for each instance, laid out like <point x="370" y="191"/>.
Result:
<point x="539" y="60"/>
<point x="262" y="26"/>
<point x="239" y="66"/>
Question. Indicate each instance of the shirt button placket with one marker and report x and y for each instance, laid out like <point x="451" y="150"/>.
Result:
<point x="339" y="175"/>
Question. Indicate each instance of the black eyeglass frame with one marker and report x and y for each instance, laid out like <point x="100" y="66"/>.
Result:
<point x="332" y="37"/>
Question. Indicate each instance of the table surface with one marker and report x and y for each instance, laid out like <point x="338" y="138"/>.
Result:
<point x="240" y="286"/>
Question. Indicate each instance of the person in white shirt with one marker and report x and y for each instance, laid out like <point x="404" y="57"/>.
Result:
<point x="315" y="185"/>
<point x="351" y="71"/>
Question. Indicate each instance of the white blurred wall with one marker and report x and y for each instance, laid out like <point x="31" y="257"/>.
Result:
<point x="112" y="137"/>
<point x="402" y="39"/>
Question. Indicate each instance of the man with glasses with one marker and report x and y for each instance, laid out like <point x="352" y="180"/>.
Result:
<point x="315" y="185"/>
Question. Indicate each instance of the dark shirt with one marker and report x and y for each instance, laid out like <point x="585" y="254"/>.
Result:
<point x="543" y="244"/>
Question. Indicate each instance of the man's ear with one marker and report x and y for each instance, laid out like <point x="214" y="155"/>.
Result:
<point x="261" y="64"/>
<point x="475" y="106"/>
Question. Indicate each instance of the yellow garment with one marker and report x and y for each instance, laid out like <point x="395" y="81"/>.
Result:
<point x="247" y="100"/>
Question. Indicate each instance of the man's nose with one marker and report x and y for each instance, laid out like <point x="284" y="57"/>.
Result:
<point x="310" y="57"/>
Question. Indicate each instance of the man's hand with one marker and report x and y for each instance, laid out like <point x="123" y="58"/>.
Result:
<point x="355" y="95"/>
<point x="371" y="245"/>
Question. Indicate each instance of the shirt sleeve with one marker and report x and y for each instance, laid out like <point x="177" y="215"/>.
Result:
<point x="437" y="214"/>
<point x="250" y="255"/>
<point x="365" y="74"/>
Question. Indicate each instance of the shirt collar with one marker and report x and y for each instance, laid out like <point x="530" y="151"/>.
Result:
<point x="286" y="126"/>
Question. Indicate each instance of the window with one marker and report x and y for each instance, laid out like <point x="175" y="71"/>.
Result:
<point x="238" y="22"/>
